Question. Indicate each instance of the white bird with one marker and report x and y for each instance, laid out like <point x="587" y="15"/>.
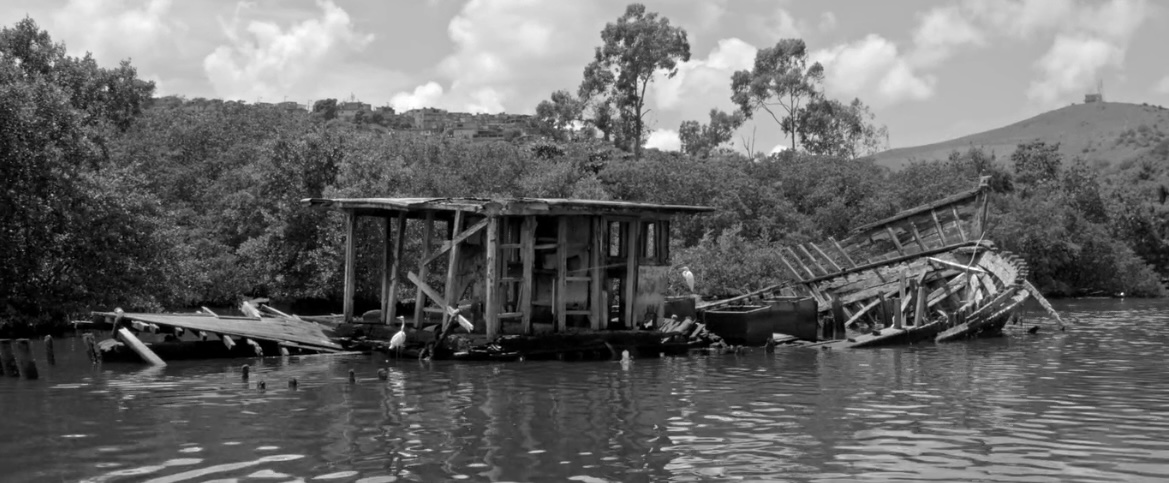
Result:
<point x="398" y="341"/>
<point x="689" y="277"/>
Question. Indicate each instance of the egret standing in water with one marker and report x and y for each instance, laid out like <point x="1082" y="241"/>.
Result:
<point x="689" y="277"/>
<point x="398" y="341"/>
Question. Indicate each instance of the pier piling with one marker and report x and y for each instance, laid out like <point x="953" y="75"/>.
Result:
<point x="8" y="359"/>
<point x="28" y="366"/>
<point x="49" y="356"/>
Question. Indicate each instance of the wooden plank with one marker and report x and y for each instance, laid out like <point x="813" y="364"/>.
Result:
<point x="561" y="274"/>
<point x="938" y="226"/>
<point x="423" y="269"/>
<point x="596" y="287"/>
<point x="139" y="348"/>
<point x="957" y="266"/>
<point x="813" y="259"/>
<point x="456" y="239"/>
<point x="452" y="270"/>
<point x="896" y="242"/>
<point x="272" y="328"/>
<point x="801" y="263"/>
<point x="528" y="257"/>
<point x="789" y="266"/>
<point x="632" y="242"/>
<point x="350" y="264"/>
<point x="826" y="257"/>
<point x="838" y="321"/>
<point x="843" y="253"/>
<point x="492" y="277"/>
<point x="919" y="315"/>
<point x="391" y="312"/>
<point x="917" y="236"/>
<point x="1042" y="301"/>
<point x="958" y="223"/>
<point x="864" y="310"/>
<point x="440" y="302"/>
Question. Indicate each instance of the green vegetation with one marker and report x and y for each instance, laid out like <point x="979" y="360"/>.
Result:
<point x="112" y="198"/>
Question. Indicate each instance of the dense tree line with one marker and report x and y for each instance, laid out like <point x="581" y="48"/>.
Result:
<point x="112" y="198"/>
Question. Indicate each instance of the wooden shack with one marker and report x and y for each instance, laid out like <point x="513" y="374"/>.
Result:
<point x="518" y="266"/>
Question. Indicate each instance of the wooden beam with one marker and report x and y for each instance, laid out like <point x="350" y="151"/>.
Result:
<point x="896" y="242"/>
<point x="456" y="239"/>
<point x="958" y="266"/>
<point x="560" y="302"/>
<point x="813" y="259"/>
<point x="938" y="226"/>
<point x="139" y="348"/>
<point x="917" y="236"/>
<point x="452" y="270"/>
<point x="423" y="269"/>
<point x="492" y="277"/>
<point x="801" y="262"/>
<point x="789" y="266"/>
<point x="390" y="310"/>
<point x="958" y="223"/>
<point x="596" y="287"/>
<point x="826" y="257"/>
<point x="528" y="257"/>
<point x="350" y="264"/>
<point x="439" y="301"/>
<point x="631" y="243"/>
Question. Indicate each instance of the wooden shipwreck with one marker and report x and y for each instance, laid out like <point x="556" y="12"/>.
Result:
<point x="523" y="277"/>
<point x="928" y="273"/>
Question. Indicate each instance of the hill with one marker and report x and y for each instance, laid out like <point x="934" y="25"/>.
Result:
<point x="1106" y="132"/>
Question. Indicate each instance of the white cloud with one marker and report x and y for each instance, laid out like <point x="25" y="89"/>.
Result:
<point x="116" y="29"/>
<point x="940" y="32"/>
<point x="508" y="52"/>
<point x="1072" y="65"/>
<point x="779" y="148"/>
<point x="664" y="139"/>
<point x="426" y="95"/>
<point x="703" y="83"/>
<point x="780" y="24"/>
<point x="266" y="61"/>
<point x="1162" y="86"/>
<point x="874" y="70"/>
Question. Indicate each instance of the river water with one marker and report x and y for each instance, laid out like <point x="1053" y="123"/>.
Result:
<point x="1089" y="404"/>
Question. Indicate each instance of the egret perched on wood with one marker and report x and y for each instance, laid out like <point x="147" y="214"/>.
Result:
<point x="689" y="277"/>
<point x="398" y="341"/>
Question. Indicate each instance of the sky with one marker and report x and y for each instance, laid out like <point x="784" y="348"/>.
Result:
<point x="929" y="70"/>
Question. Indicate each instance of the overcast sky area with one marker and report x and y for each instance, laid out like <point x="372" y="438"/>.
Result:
<point x="930" y="70"/>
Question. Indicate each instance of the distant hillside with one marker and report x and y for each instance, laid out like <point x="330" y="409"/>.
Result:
<point x="1104" y="131"/>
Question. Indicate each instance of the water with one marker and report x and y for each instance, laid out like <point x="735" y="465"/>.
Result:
<point x="1090" y="404"/>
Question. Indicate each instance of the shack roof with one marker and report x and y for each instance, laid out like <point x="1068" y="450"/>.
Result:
<point x="503" y="206"/>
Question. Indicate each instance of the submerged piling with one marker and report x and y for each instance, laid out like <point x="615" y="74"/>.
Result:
<point x="28" y="366"/>
<point x="8" y="358"/>
<point x="49" y="356"/>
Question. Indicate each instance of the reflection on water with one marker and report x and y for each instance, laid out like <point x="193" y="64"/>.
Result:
<point x="1086" y="405"/>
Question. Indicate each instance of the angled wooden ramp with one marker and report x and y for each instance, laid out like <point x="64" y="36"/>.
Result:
<point x="305" y="334"/>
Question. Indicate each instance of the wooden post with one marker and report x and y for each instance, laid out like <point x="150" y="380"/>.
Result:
<point x="350" y="264"/>
<point x="387" y="269"/>
<point x="632" y="242"/>
<point x="899" y="320"/>
<point x="452" y="271"/>
<point x="837" y="318"/>
<point x="528" y="259"/>
<point x="28" y="366"/>
<point x="8" y="358"/>
<point x="423" y="270"/>
<point x="49" y="355"/>
<point x="597" y="284"/>
<point x="91" y="348"/>
<point x="390" y="300"/>
<point x="919" y="315"/>
<point x="139" y="348"/>
<point x="227" y="341"/>
<point x="885" y="313"/>
<point x="492" y="283"/>
<point x="560" y="304"/>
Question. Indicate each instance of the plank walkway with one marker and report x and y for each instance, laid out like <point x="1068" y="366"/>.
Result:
<point x="275" y="329"/>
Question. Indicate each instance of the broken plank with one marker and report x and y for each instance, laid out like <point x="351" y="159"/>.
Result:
<point x="139" y="348"/>
<point x="453" y="242"/>
<point x="440" y="301"/>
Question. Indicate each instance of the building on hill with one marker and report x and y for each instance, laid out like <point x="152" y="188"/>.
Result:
<point x="1093" y="97"/>
<point x="349" y="110"/>
<point x="291" y="106"/>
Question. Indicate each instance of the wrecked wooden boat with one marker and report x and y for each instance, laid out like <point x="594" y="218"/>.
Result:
<point x="522" y="278"/>
<point x="927" y="273"/>
<point x="156" y="338"/>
